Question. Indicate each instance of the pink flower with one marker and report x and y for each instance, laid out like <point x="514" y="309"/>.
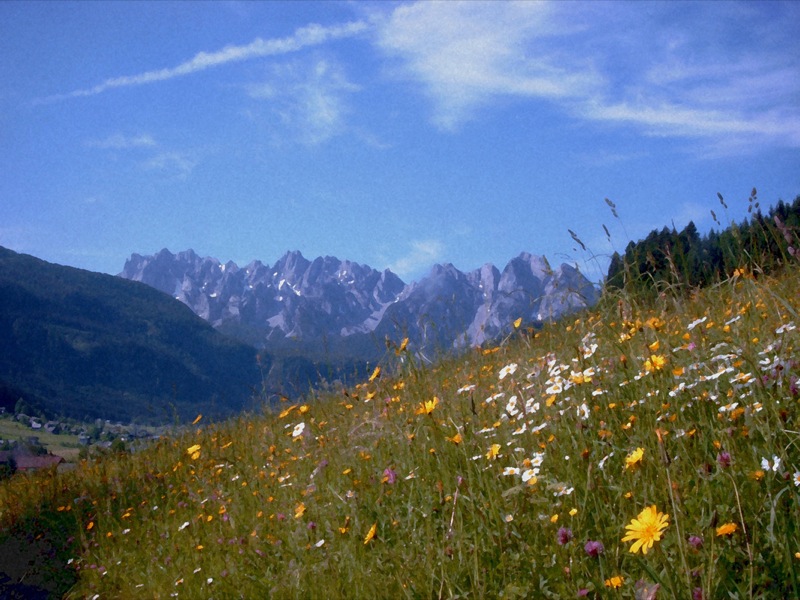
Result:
<point x="389" y="476"/>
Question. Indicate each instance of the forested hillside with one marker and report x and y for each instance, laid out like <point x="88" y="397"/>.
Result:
<point x="761" y="243"/>
<point x="86" y="345"/>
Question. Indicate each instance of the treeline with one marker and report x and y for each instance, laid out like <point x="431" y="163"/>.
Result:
<point x="668" y="258"/>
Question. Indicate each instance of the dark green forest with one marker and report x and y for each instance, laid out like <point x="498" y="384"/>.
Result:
<point x="85" y="345"/>
<point x="669" y="259"/>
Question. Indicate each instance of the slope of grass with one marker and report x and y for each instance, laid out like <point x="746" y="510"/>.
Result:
<point x="507" y="472"/>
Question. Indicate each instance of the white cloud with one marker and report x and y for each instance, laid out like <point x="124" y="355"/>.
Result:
<point x="422" y="254"/>
<point x="467" y="53"/>
<point x="118" y="141"/>
<point x="311" y="35"/>
<point x="656" y="70"/>
<point x="662" y="118"/>
<point x="308" y="99"/>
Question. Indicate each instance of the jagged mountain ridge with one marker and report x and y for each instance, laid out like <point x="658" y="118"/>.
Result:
<point x="343" y="306"/>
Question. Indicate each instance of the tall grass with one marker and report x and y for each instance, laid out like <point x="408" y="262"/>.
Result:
<point x="506" y="472"/>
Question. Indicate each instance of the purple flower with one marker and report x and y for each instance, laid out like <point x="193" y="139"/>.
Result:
<point x="695" y="541"/>
<point x="724" y="459"/>
<point x="583" y="593"/>
<point x="697" y="593"/>
<point x="594" y="548"/>
<point x="564" y="535"/>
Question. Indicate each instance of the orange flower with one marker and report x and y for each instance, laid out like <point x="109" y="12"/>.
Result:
<point x="371" y="533"/>
<point x="402" y="347"/>
<point x="493" y="452"/>
<point x="656" y="362"/>
<point x="456" y="439"/>
<point x="375" y="374"/>
<point x="427" y="407"/>
<point x="285" y="412"/>
<point x="634" y="458"/>
<point x="727" y="529"/>
<point x="346" y="527"/>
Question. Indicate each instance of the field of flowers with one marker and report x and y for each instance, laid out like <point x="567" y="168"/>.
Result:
<point x="647" y="450"/>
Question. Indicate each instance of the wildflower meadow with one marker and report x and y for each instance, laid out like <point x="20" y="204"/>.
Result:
<point x="648" y="448"/>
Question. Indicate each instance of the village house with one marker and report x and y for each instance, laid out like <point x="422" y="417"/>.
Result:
<point x="24" y="462"/>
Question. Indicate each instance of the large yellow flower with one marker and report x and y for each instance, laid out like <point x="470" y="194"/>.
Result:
<point x="646" y="529"/>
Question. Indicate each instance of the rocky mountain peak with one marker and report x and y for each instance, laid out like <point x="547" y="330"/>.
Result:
<point x="328" y="302"/>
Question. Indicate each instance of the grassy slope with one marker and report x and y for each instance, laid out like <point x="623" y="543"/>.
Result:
<point x="374" y="493"/>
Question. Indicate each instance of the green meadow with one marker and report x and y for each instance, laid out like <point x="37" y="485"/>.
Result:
<point x="511" y="471"/>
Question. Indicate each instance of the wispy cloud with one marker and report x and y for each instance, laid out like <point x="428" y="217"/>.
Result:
<point x="311" y="35"/>
<point x="466" y="54"/>
<point x="171" y="164"/>
<point x="151" y="155"/>
<point x="422" y="254"/>
<point x="658" y="117"/>
<point x="309" y="99"/>
<point x="608" y="63"/>
<point x="119" y="141"/>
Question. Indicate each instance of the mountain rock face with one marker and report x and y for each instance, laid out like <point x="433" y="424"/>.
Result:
<point x="329" y="306"/>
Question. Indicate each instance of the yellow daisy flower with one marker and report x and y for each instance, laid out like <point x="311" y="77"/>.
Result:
<point x="646" y="529"/>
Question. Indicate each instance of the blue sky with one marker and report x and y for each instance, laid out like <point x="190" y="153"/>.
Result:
<point x="393" y="134"/>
